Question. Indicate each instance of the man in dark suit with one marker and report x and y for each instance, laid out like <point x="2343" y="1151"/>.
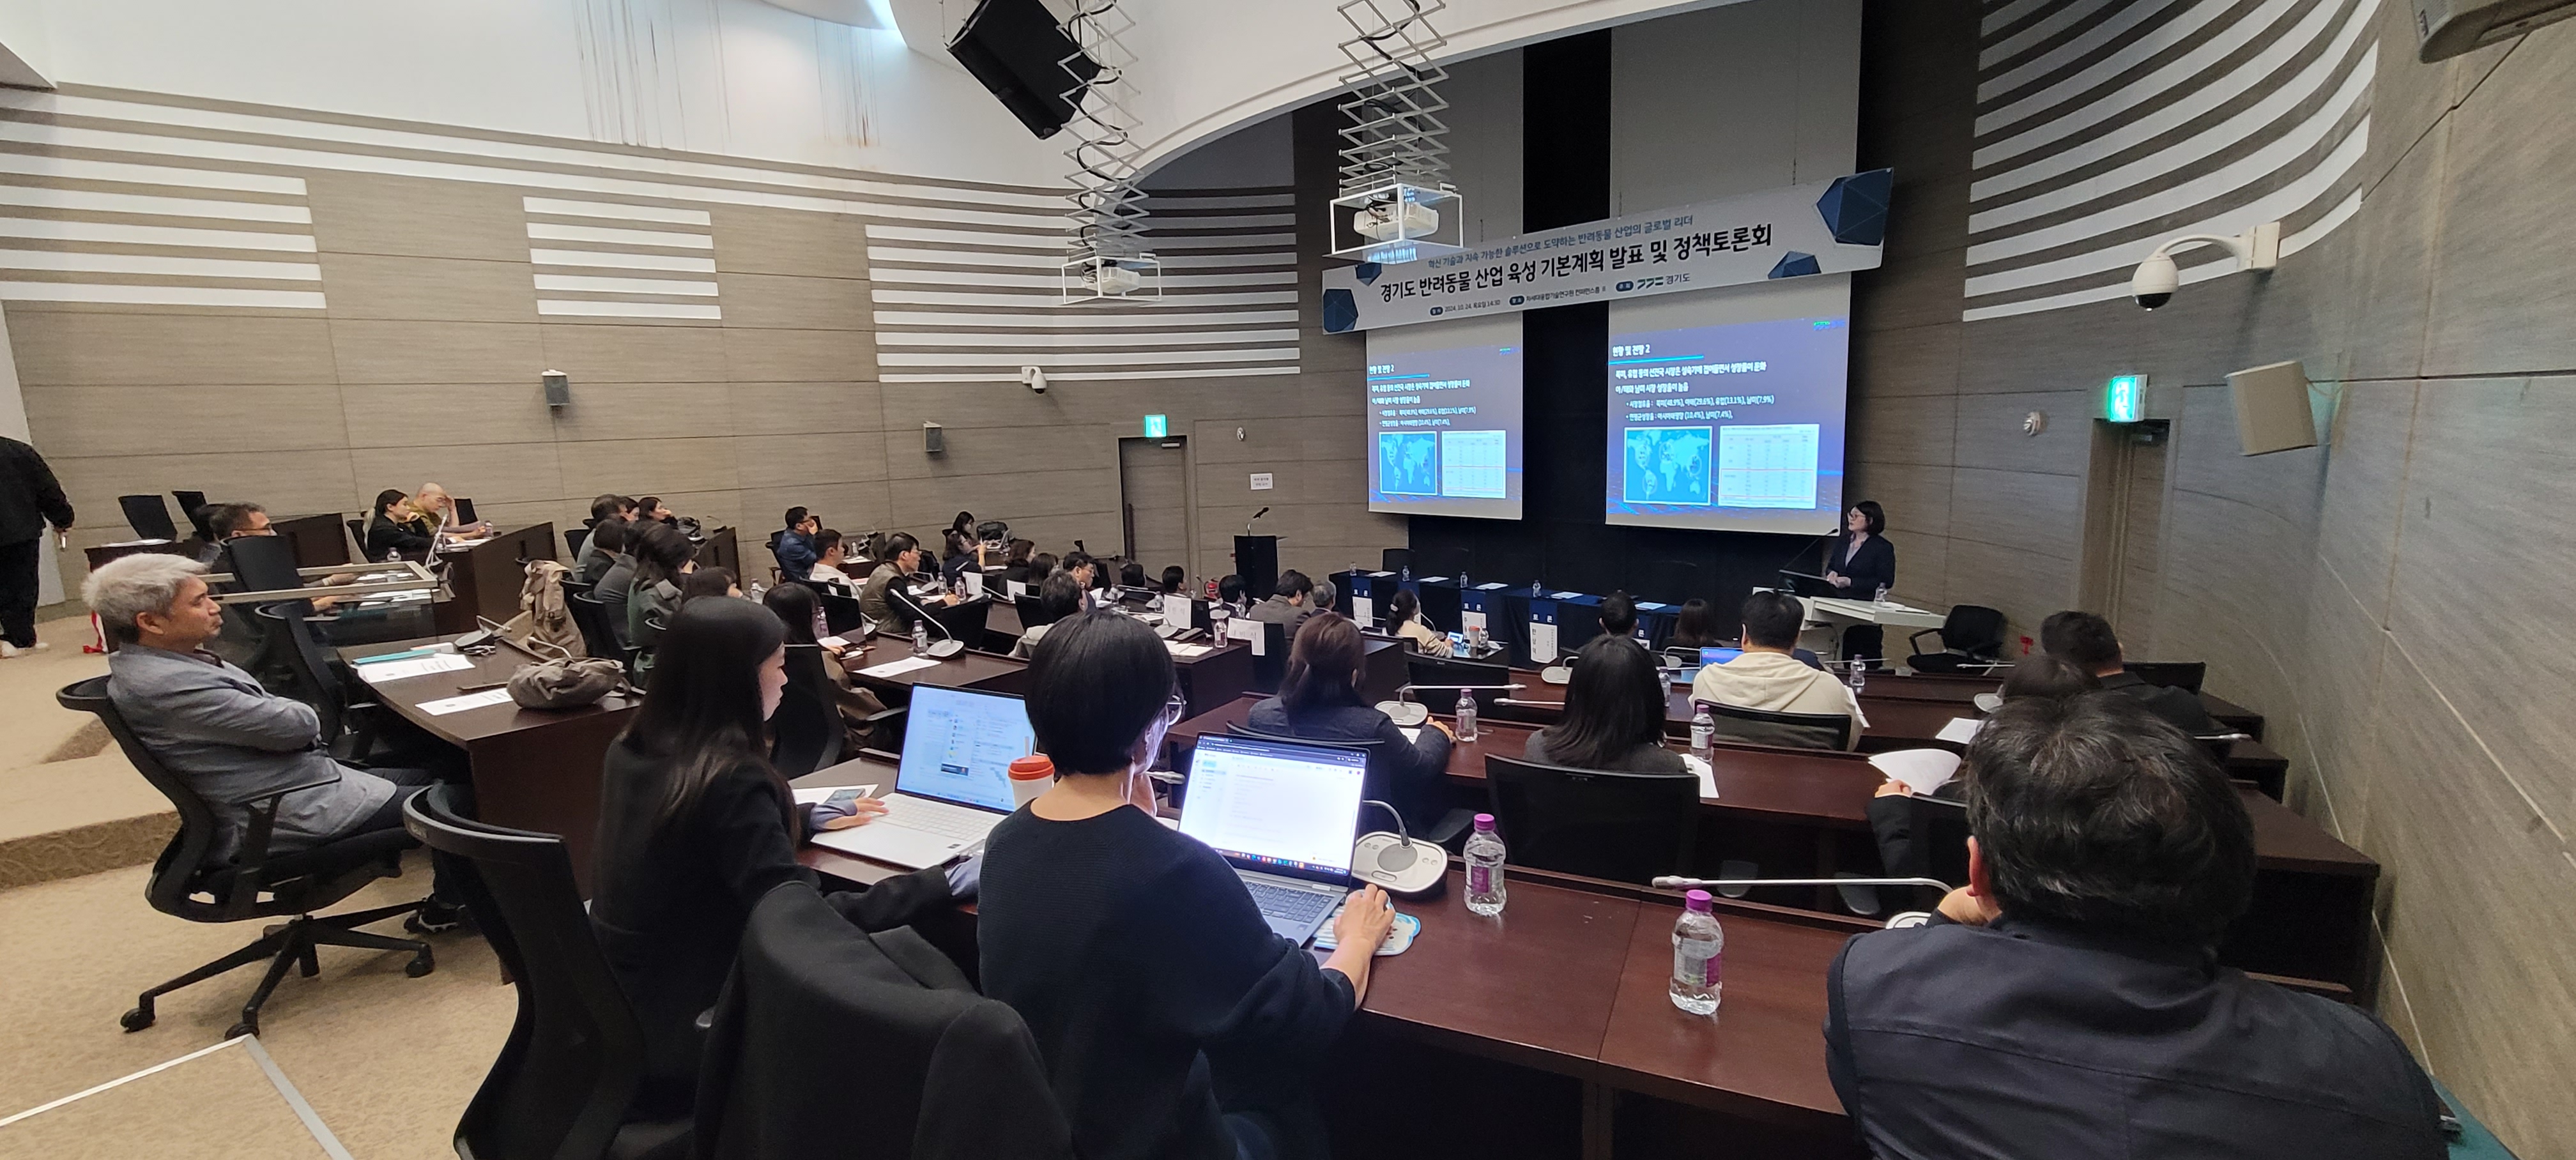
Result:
<point x="30" y="499"/>
<point x="2087" y="642"/>
<point x="2068" y="1002"/>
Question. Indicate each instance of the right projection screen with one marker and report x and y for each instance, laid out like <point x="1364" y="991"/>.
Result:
<point x="1726" y="407"/>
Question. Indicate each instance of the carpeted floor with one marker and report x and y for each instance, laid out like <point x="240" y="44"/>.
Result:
<point x="69" y="802"/>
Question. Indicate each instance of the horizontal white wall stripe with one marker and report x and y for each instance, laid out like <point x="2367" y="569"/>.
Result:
<point x="1052" y="281"/>
<point x="95" y="201"/>
<point x="2316" y="231"/>
<point x="1162" y="223"/>
<point x="2253" y="112"/>
<point x="623" y="261"/>
<point x="159" y="295"/>
<point x="76" y="260"/>
<point x="624" y="285"/>
<point x="77" y="231"/>
<point x="1073" y="359"/>
<point x="1024" y="301"/>
<point x="1156" y="202"/>
<point x="553" y="232"/>
<point x="84" y="169"/>
<point x="1093" y="315"/>
<point x="1000" y="376"/>
<point x="1102" y="338"/>
<point x="611" y="209"/>
<point x="1054" y="260"/>
<point x="606" y="309"/>
<point x="2008" y="15"/>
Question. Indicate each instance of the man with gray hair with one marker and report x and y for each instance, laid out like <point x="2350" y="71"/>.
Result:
<point x="212" y="724"/>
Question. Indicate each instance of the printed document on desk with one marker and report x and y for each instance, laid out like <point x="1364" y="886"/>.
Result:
<point x="899" y="668"/>
<point x="377" y="674"/>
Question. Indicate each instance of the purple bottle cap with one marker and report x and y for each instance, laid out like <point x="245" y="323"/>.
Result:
<point x="1696" y="900"/>
<point x="1484" y="821"/>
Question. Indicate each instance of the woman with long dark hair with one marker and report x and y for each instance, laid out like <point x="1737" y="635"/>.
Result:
<point x="1319" y="700"/>
<point x="663" y="558"/>
<point x="1404" y="619"/>
<point x="1614" y="714"/>
<point x="801" y="612"/>
<point x="695" y="826"/>
<point x="394" y="529"/>
<point x="1695" y="627"/>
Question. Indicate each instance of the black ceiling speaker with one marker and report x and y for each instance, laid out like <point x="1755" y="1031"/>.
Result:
<point x="1018" y="50"/>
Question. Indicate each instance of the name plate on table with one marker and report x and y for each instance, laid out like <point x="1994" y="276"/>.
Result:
<point x="899" y="668"/>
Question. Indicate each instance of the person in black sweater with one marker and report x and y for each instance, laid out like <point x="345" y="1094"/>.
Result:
<point x="30" y="499"/>
<point x="395" y="530"/>
<point x="1614" y="714"/>
<point x="1174" y="1023"/>
<point x="695" y="827"/>
<point x="1861" y="563"/>
<point x="2086" y="641"/>
<point x="1319" y="700"/>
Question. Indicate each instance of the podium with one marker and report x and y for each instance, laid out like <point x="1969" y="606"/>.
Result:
<point x="1256" y="563"/>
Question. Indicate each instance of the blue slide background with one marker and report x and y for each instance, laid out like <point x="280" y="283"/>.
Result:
<point x="1805" y="365"/>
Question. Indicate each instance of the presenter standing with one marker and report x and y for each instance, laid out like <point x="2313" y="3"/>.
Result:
<point x="1863" y="565"/>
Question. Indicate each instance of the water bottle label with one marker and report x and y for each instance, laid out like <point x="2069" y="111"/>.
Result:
<point x="1692" y="968"/>
<point x="1480" y="879"/>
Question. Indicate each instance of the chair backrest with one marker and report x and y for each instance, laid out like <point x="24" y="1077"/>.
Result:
<point x="464" y="510"/>
<point x="807" y="724"/>
<point x="1627" y="827"/>
<point x="1032" y="613"/>
<point x="1394" y="560"/>
<point x="591" y="617"/>
<point x="294" y="641"/>
<point x="184" y="860"/>
<point x="574" y="538"/>
<point x="2170" y="674"/>
<point x="192" y="507"/>
<point x="262" y="563"/>
<point x="1427" y="670"/>
<point x="574" y="1058"/>
<point x="1787" y="730"/>
<point x="1670" y="581"/>
<point x="1939" y="829"/>
<point x="1973" y="629"/>
<point x="358" y="540"/>
<point x="842" y="613"/>
<point x="149" y="516"/>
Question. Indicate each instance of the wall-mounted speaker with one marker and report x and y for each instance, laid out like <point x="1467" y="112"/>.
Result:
<point x="2272" y="410"/>
<point x="558" y="388"/>
<point x="934" y="438"/>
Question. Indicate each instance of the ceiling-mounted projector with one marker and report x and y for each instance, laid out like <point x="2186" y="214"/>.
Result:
<point x="1396" y="220"/>
<point x="2447" y="28"/>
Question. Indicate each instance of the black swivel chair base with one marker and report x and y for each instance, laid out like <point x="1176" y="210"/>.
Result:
<point x="292" y="943"/>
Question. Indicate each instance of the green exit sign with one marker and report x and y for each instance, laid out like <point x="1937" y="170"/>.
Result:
<point x="1157" y="426"/>
<point x="2124" y="399"/>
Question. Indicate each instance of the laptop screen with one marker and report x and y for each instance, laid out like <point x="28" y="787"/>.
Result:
<point x="958" y="746"/>
<point x="1718" y="656"/>
<point x="1273" y="805"/>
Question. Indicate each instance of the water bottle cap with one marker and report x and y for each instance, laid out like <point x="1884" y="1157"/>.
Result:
<point x="1696" y="900"/>
<point x="1485" y="822"/>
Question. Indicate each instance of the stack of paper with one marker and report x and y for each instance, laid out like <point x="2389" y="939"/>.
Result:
<point x="1921" y="770"/>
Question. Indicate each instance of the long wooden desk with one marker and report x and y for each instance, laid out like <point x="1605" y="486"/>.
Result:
<point x="1964" y="690"/>
<point x="1800" y="813"/>
<point x="1208" y="680"/>
<point x="533" y="769"/>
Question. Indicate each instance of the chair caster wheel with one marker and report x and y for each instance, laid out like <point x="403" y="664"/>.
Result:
<point x="243" y="1028"/>
<point x="420" y="964"/>
<point x="136" y="1019"/>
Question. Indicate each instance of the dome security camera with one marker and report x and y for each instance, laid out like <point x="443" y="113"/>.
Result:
<point x="2156" y="279"/>
<point x="2154" y="283"/>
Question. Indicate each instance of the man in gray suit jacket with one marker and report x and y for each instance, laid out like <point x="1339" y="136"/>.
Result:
<point x="214" y="726"/>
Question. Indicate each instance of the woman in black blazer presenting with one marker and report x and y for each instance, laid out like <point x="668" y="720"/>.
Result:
<point x="1862" y="565"/>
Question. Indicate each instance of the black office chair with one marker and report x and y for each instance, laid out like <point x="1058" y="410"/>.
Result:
<point x="1971" y="634"/>
<point x="842" y="612"/>
<point x="963" y="623"/>
<point x="1938" y="828"/>
<point x="348" y="727"/>
<point x="591" y="617"/>
<point x="1424" y="670"/>
<point x="149" y="516"/>
<point x="807" y="726"/>
<point x="464" y="510"/>
<point x="1626" y="827"/>
<point x="1394" y="560"/>
<point x="1671" y="581"/>
<point x="1427" y="814"/>
<point x="189" y="881"/>
<point x="1270" y="661"/>
<point x="1032" y="614"/>
<point x="574" y="1059"/>
<point x="2185" y="675"/>
<point x="192" y="505"/>
<point x="358" y="537"/>
<point x="574" y="538"/>
<point x="818" y="1009"/>
<point x="1784" y="730"/>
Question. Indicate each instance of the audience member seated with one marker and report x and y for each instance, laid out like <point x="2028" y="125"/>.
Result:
<point x="1059" y="600"/>
<point x="703" y="582"/>
<point x="1767" y="677"/>
<point x="1019" y="564"/>
<point x="1131" y="576"/>
<point x="795" y="547"/>
<point x="214" y="727"/>
<point x="234" y="521"/>
<point x="663" y="558"/>
<point x="439" y="512"/>
<point x="1229" y="593"/>
<point x="1173" y="1022"/>
<point x="1085" y="571"/>
<point x="2087" y="641"/>
<point x="1319" y="700"/>
<point x="2066" y="1002"/>
<point x="1288" y="603"/>
<point x="901" y="564"/>
<point x="394" y="529"/>
<point x="1614" y="714"/>
<point x="613" y="585"/>
<point x="1892" y="821"/>
<point x="694" y="827"/>
<point x="1696" y="627"/>
<point x="830" y="552"/>
<point x="957" y="556"/>
<point x="1619" y="615"/>
<point x="1173" y="578"/>
<point x="1041" y="566"/>
<point x="651" y="509"/>
<point x="1319" y="602"/>
<point x="595" y="556"/>
<point x="1404" y="616"/>
<point x="802" y="612"/>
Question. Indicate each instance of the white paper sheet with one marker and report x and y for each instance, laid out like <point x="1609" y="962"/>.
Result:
<point x="835" y="641"/>
<point x="1186" y="650"/>
<point x="1472" y="622"/>
<point x="1542" y="643"/>
<point x="1707" y="776"/>
<point x="1014" y="589"/>
<point x="1922" y="770"/>
<point x="384" y="671"/>
<point x="1176" y="609"/>
<point x="974" y="583"/>
<point x="1960" y="729"/>
<point x="446" y="705"/>
<point x="1362" y="610"/>
<point x="1248" y="630"/>
<point x="899" y="668"/>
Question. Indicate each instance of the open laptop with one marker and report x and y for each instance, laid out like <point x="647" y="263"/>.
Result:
<point x="1283" y="815"/>
<point x="954" y="784"/>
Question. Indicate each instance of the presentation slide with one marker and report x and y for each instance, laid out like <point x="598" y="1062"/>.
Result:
<point x="1726" y="408"/>
<point x="1444" y="404"/>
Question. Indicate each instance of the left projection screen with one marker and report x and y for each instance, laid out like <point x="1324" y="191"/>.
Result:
<point x="1444" y="418"/>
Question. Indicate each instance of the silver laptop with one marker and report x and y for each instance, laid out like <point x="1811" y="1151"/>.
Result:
<point x="1283" y="815"/>
<point x="954" y="784"/>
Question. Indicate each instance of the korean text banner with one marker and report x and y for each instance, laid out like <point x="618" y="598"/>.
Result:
<point x="1825" y="228"/>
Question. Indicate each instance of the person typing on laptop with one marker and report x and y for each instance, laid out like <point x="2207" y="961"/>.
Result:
<point x="1147" y="975"/>
<point x="695" y="827"/>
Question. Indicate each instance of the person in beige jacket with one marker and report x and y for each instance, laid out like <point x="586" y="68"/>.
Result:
<point x="1767" y="676"/>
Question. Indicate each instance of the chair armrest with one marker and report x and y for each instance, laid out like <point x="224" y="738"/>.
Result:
<point x="882" y="716"/>
<point x="880" y="755"/>
<point x="1915" y="641"/>
<point x="271" y="795"/>
<point x="252" y="855"/>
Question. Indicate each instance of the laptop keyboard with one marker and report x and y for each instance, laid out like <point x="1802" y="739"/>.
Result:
<point x="936" y="818"/>
<point x="1295" y="907"/>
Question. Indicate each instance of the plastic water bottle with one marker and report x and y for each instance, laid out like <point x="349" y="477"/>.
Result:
<point x="1881" y="598"/>
<point x="1407" y="577"/>
<point x="1699" y="956"/>
<point x="1466" y="716"/>
<point x="1703" y="732"/>
<point x="920" y="638"/>
<point x="1484" y="854"/>
<point x="1536" y="591"/>
<point x="1859" y="674"/>
<point x="1462" y="580"/>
